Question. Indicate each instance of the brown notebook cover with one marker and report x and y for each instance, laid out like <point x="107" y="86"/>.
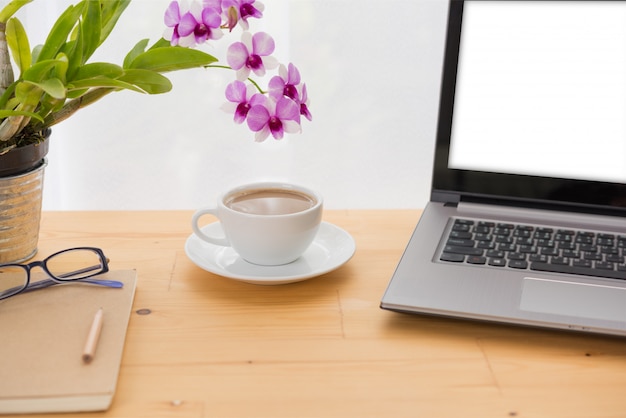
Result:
<point x="42" y="337"/>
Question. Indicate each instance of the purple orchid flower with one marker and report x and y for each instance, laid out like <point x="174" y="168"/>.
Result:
<point x="285" y="83"/>
<point x="199" y="25"/>
<point x="252" y="54"/>
<point x="304" y="104"/>
<point x="288" y="84"/>
<point x="172" y="20"/>
<point x="213" y="4"/>
<point x="273" y="117"/>
<point x="244" y="9"/>
<point x="241" y="98"/>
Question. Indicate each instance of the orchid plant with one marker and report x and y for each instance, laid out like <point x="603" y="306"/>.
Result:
<point x="56" y="78"/>
<point x="276" y="110"/>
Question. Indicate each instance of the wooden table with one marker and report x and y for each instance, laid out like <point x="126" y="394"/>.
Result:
<point x="214" y="347"/>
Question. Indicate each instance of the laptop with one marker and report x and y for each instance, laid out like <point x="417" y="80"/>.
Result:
<point x="526" y="222"/>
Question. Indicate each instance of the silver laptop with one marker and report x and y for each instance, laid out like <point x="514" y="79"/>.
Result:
<point x="527" y="218"/>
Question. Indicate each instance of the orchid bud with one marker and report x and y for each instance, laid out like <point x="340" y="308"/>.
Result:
<point x="233" y="17"/>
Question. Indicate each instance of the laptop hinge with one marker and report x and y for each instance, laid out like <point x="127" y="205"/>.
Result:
<point x="449" y="199"/>
<point x="539" y="215"/>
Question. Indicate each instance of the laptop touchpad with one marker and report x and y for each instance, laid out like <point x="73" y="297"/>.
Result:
<point x="574" y="299"/>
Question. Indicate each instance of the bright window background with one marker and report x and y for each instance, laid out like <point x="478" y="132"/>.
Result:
<point x="372" y="69"/>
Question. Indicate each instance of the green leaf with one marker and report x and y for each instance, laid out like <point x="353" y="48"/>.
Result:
<point x="72" y="94"/>
<point x="41" y="70"/>
<point x="90" y="29"/>
<point x="60" y="69"/>
<point x="70" y="49"/>
<point x="10" y="9"/>
<point x="51" y="86"/>
<point x="97" y="83"/>
<point x="7" y="96"/>
<point x="28" y="94"/>
<point x="98" y="69"/>
<point x="35" y="53"/>
<point x="111" y="12"/>
<point x="17" y="40"/>
<point x="9" y="113"/>
<point x="60" y="32"/>
<point x="148" y="81"/>
<point x="138" y="49"/>
<point x="171" y="59"/>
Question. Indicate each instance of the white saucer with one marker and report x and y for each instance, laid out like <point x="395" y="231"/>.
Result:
<point x="331" y="249"/>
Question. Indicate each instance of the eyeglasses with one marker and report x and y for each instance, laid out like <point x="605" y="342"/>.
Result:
<point x="71" y="265"/>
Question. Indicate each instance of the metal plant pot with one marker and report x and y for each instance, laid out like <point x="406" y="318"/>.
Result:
<point x="21" y="192"/>
<point x="20" y="214"/>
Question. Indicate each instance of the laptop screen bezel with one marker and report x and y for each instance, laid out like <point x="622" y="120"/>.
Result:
<point x="455" y="185"/>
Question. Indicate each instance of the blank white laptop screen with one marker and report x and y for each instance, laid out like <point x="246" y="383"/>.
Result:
<point x="541" y="90"/>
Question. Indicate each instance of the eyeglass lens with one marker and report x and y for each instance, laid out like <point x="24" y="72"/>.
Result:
<point x="67" y="265"/>
<point x="13" y="279"/>
<point x="74" y="264"/>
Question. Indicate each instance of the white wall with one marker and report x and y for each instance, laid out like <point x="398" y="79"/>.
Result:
<point x="372" y="69"/>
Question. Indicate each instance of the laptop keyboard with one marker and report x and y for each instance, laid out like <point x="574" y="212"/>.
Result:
<point x="528" y="247"/>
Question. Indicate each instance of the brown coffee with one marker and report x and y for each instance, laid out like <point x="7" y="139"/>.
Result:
<point x="270" y="201"/>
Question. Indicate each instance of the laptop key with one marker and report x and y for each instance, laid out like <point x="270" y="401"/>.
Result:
<point x="538" y="258"/>
<point x="455" y="249"/>
<point x="475" y="259"/>
<point x="486" y="245"/>
<point x="460" y="234"/>
<point x="585" y="271"/>
<point x="582" y="263"/>
<point x="497" y="262"/>
<point x="614" y="258"/>
<point x="528" y="249"/>
<point x="559" y="260"/>
<point x="592" y="256"/>
<point x="481" y="230"/>
<point x="455" y="258"/>
<point x="518" y="264"/>
<point x="570" y="251"/>
<point x="495" y="254"/>
<point x="516" y="256"/>
<point x="550" y="251"/>
<point x="461" y="242"/>
<point x="461" y="227"/>
<point x="609" y="250"/>
<point x="604" y="265"/>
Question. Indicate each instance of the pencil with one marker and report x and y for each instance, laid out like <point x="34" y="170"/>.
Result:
<point x="93" y="337"/>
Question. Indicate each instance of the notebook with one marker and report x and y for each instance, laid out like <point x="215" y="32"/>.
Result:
<point x="531" y="145"/>
<point x="43" y="337"/>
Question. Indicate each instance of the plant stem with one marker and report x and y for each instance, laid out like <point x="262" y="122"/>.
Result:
<point x="71" y="107"/>
<point x="226" y="67"/>
<point x="6" y="70"/>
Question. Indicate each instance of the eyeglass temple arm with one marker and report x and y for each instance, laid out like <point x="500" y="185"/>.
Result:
<point x="49" y="282"/>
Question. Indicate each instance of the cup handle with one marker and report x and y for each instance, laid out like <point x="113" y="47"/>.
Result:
<point x="223" y="241"/>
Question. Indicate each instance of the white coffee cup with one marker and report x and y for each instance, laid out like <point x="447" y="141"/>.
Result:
<point x="268" y="223"/>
